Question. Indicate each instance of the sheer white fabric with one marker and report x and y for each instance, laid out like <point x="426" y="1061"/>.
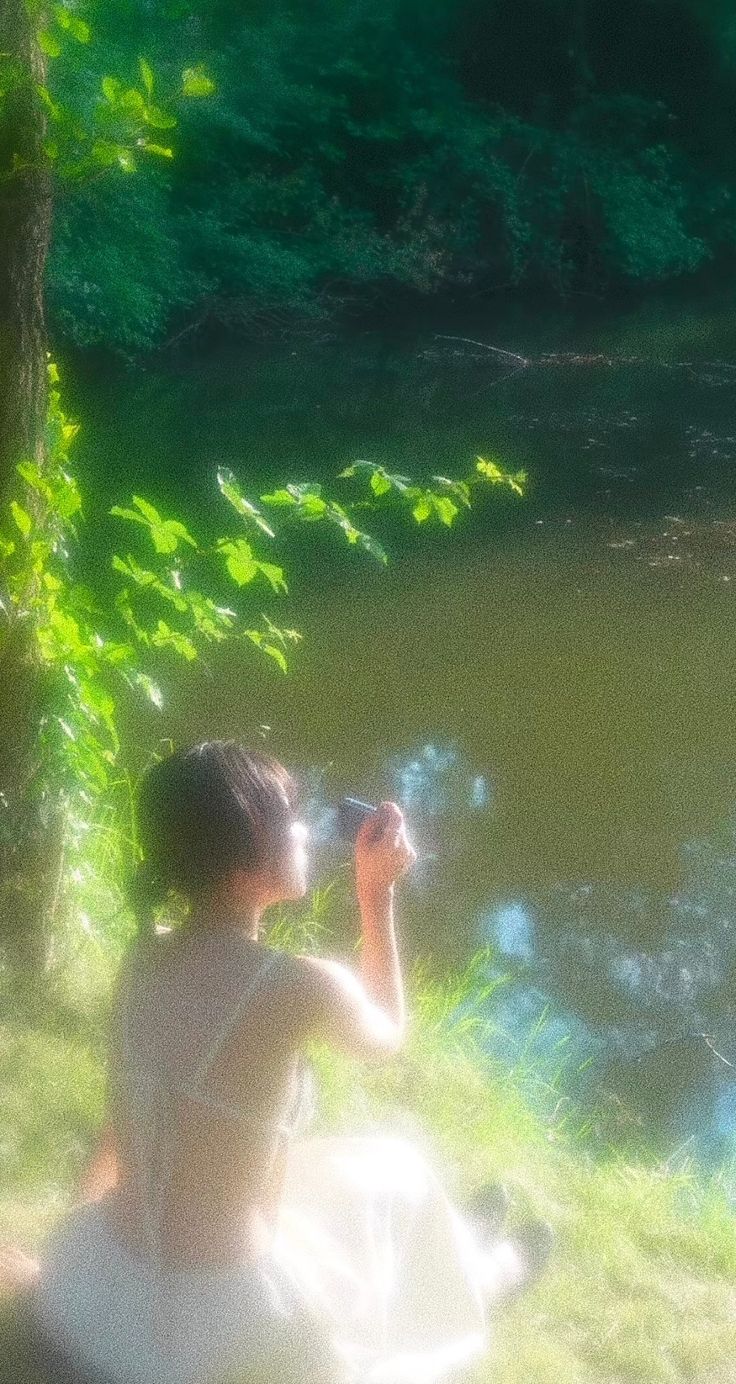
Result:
<point x="367" y="1244"/>
<point x="370" y="1267"/>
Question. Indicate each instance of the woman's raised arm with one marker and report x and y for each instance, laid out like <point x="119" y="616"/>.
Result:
<point x="366" y="1014"/>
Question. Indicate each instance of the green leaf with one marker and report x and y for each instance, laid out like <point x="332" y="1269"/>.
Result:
<point x="150" y="581"/>
<point x="132" y="102"/>
<point x="274" y="575"/>
<point x="146" y="75"/>
<point x="68" y="634"/>
<point x="489" y="469"/>
<point x="72" y="23"/>
<point x="111" y="89"/>
<point x="212" y="621"/>
<point x="460" y="489"/>
<point x="166" y="534"/>
<point x="48" y="43"/>
<point x="273" y="641"/>
<point x="369" y="544"/>
<point x="229" y="487"/>
<point x="52" y="109"/>
<point x="159" y="119"/>
<point x="195" y="82"/>
<point x="239" y="560"/>
<point x="277" y="655"/>
<point x="402" y="484"/>
<point x="116" y="654"/>
<point x="281" y="635"/>
<point x="22" y="518"/>
<point x="79" y="29"/>
<point x="121" y="513"/>
<point x="126" y="160"/>
<point x="312" y="507"/>
<point x="163" y="536"/>
<point x="105" y="152"/>
<point x="41" y="551"/>
<point x="422" y="509"/>
<point x="83" y="598"/>
<point x="98" y="699"/>
<point x="278" y="497"/>
<point x="32" y="474"/>
<point x="360" y="465"/>
<point x="164" y="637"/>
<point x="177" y="533"/>
<point x="66" y="496"/>
<point x="147" y="509"/>
<point x="380" y="483"/>
<point x="159" y="149"/>
<point x="130" y="568"/>
<point x="151" y="690"/>
<point x="445" y="508"/>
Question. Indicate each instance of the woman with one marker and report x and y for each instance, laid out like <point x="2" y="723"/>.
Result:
<point x="215" y="1245"/>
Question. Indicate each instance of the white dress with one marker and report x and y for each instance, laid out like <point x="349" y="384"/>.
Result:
<point x="371" y="1277"/>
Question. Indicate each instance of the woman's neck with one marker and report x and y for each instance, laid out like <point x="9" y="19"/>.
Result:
<point x="213" y="916"/>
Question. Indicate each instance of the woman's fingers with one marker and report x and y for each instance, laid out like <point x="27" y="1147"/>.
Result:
<point x="383" y="849"/>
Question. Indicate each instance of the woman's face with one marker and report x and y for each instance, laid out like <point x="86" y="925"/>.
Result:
<point x="291" y="874"/>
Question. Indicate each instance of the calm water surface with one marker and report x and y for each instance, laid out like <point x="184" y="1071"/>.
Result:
<point x="551" y="692"/>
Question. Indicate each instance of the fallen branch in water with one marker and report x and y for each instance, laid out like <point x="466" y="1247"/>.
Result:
<point x="576" y="358"/>
<point x="497" y="350"/>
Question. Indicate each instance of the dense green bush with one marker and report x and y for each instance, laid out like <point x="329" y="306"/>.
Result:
<point x="353" y="150"/>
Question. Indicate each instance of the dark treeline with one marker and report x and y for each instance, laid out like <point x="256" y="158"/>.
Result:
<point x="367" y="154"/>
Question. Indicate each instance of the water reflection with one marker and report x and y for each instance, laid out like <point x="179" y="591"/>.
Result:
<point x="620" y="1003"/>
<point x="436" y="783"/>
<point x="646" y="1032"/>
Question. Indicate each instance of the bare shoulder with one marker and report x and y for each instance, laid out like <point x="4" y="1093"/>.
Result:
<point x="336" y="1007"/>
<point x="316" y="980"/>
<point x="323" y="975"/>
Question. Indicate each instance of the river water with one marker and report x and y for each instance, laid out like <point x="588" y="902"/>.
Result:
<point x="550" y="691"/>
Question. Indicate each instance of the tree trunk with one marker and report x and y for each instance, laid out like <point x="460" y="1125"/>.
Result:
<point x="25" y="226"/>
<point x="28" y="831"/>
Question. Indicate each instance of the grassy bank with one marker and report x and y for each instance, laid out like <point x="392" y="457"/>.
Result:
<point x="642" y="1289"/>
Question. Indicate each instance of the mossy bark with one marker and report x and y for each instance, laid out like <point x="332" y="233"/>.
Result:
<point x="28" y="868"/>
<point x="25" y="228"/>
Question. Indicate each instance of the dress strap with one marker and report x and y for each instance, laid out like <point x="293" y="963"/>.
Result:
<point x="207" y="1060"/>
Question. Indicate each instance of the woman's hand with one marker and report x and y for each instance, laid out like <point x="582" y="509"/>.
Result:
<point x="383" y="851"/>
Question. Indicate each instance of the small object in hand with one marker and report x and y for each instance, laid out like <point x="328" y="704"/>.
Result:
<point x="351" y="814"/>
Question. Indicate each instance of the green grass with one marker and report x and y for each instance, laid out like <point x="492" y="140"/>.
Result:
<point x="642" y="1287"/>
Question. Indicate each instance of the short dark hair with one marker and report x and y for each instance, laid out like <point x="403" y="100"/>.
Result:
<point x="204" y="811"/>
